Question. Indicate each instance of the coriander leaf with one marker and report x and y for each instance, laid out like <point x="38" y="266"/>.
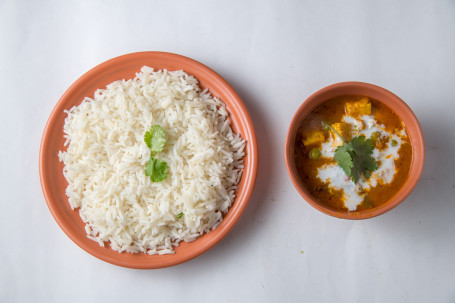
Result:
<point x="179" y="216"/>
<point x="155" y="138"/>
<point x="354" y="157"/>
<point x="156" y="169"/>
<point x="149" y="167"/>
<point x="148" y="138"/>
<point x="361" y="157"/>
<point x="344" y="159"/>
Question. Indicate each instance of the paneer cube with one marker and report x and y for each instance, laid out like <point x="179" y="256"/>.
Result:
<point x="344" y="129"/>
<point x="359" y="108"/>
<point x="313" y="138"/>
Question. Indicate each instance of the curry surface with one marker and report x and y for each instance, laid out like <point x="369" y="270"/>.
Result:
<point x="332" y="111"/>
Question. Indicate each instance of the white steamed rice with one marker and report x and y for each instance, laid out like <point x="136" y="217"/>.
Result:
<point x="106" y="155"/>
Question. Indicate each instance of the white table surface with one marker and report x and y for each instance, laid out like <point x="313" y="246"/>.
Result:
<point x="274" y="54"/>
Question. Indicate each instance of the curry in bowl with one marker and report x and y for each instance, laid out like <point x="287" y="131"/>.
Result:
<point x="352" y="153"/>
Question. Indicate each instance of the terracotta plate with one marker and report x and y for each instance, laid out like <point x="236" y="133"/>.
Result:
<point x="54" y="184"/>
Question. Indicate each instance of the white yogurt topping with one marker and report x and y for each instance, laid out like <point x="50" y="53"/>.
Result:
<point x="335" y="177"/>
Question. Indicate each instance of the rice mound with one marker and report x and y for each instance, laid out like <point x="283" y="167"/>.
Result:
<point x="106" y="155"/>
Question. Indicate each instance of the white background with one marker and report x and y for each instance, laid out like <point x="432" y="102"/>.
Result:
<point x="274" y="54"/>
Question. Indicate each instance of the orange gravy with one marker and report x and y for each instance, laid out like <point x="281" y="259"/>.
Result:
<point x="332" y="111"/>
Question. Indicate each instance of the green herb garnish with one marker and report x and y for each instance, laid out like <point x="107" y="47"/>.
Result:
<point x="156" y="169"/>
<point x="155" y="139"/>
<point x="179" y="216"/>
<point x="354" y="157"/>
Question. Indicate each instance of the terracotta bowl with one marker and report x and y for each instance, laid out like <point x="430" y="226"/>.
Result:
<point x="382" y="95"/>
<point x="54" y="184"/>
